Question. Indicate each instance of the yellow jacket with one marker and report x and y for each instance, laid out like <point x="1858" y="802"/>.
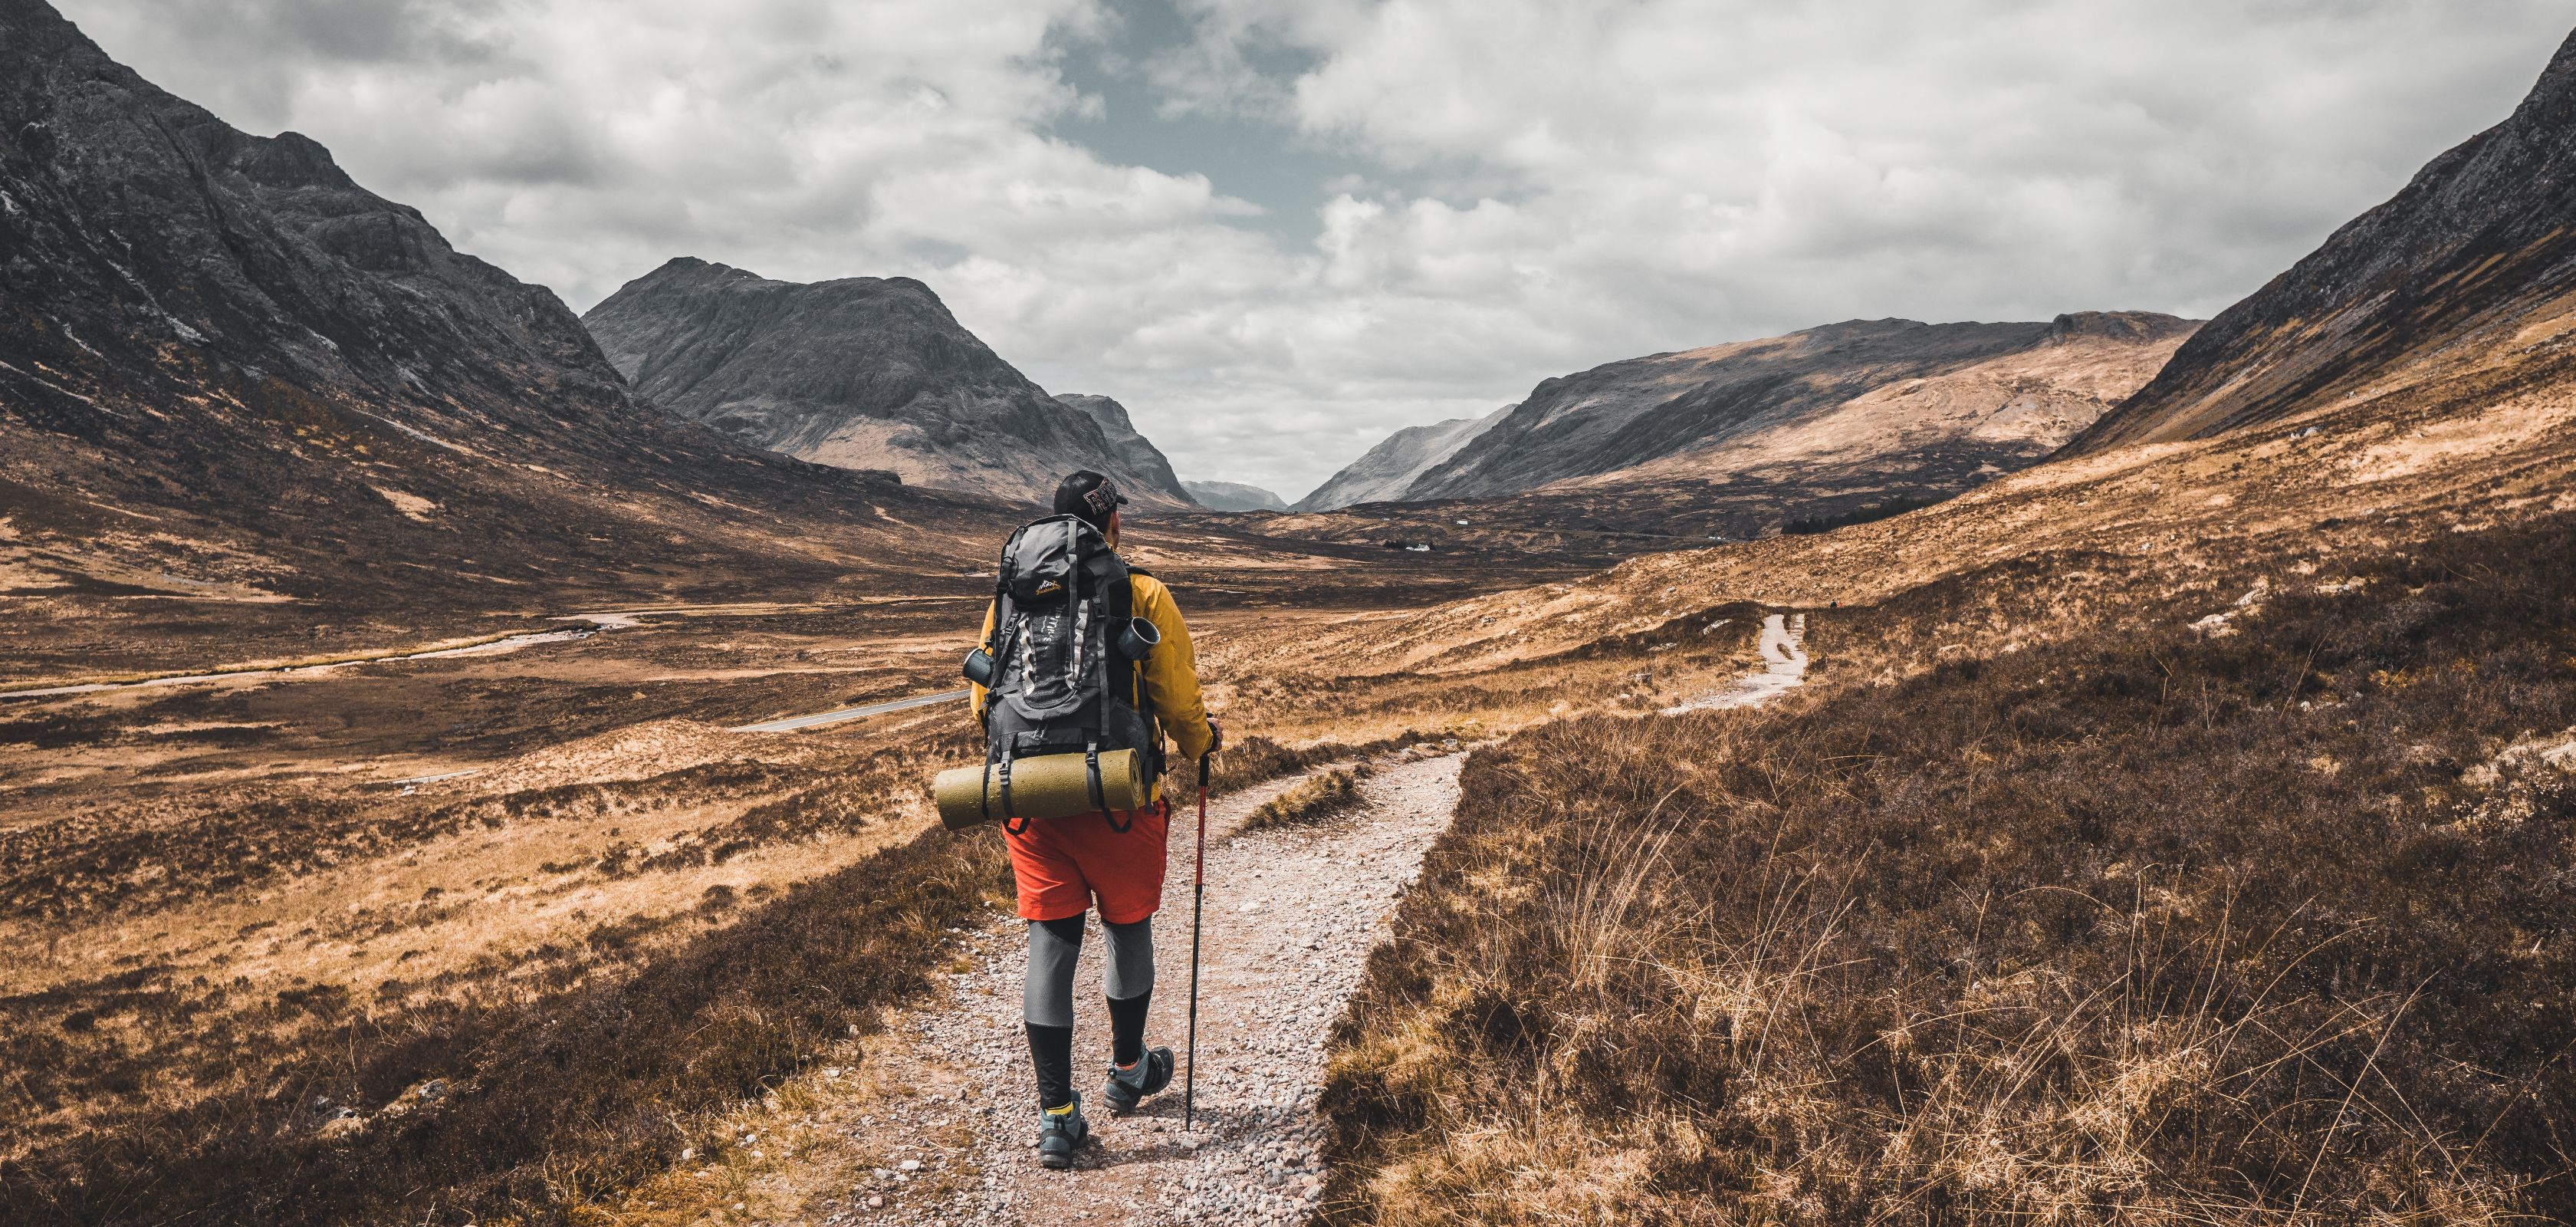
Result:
<point x="1171" y="669"/>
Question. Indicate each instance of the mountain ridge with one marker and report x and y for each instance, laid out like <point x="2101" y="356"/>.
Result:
<point x="1385" y="471"/>
<point x="856" y="372"/>
<point x="1620" y="415"/>
<point x="1234" y="496"/>
<point x="1130" y="445"/>
<point x="2443" y="283"/>
<point x="227" y="361"/>
<point x="1742" y="439"/>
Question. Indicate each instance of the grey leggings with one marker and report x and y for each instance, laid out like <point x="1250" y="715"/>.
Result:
<point x="1056" y="945"/>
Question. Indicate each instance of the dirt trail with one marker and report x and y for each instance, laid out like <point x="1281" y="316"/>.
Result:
<point x="1290" y="917"/>
<point x="938" y="1126"/>
<point x="1784" y="667"/>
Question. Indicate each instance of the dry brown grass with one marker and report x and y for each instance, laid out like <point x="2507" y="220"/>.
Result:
<point x="1695" y="649"/>
<point x="560" y="1093"/>
<point x="229" y="911"/>
<point x="219" y="959"/>
<point x="187" y="999"/>
<point x="2145" y="928"/>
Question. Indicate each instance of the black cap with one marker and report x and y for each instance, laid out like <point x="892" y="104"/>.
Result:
<point x="1089" y="495"/>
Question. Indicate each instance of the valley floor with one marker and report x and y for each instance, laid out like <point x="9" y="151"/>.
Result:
<point x="545" y="935"/>
<point x="264" y="923"/>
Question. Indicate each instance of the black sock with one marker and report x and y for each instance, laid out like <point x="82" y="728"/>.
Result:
<point x="1127" y="1027"/>
<point x="1051" y="1051"/>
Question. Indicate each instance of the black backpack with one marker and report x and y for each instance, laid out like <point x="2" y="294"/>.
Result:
<point x="1064" y="675"/>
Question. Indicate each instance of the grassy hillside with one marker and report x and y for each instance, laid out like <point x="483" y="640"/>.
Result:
<point x="2146" y="926"/>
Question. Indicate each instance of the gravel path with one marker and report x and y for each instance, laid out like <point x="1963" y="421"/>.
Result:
<point x="1291" y="915"/>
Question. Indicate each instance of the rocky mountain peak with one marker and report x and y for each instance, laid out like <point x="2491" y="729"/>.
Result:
<point x="2126" y="326"/>
<point x="290" y="160"/>
<point x="1387" y="470"/>
<point x="863" y="373"/>
<point x="1133" y="449"/>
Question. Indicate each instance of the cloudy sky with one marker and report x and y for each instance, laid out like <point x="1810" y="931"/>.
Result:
<point x="1277" y="229"/>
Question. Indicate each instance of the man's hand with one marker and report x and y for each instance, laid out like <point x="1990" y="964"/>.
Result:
<point x="1216" y="735"/>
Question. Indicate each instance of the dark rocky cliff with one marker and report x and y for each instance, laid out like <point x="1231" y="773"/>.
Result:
<point x="1133" y="449"/>
<point x="863" y="372"/>
<point x="2436" y="285"/>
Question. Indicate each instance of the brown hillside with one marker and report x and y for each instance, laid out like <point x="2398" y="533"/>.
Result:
<point x="1831" y="425"/>
<point x="2381" y="471"/>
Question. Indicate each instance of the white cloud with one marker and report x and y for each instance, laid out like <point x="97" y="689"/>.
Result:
<point x="1557" y="183"/>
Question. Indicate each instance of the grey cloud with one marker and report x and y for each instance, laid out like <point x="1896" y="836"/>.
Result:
<point x="254" y="55"/>
<point x="1276" y="229"/>
<point x="386" y="32"/>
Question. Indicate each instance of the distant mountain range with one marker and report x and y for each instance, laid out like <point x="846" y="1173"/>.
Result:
<point x="862" y="373"/>
<point x="224" y="362"/>
<point x="2457" y="292"/>
<point x="1385" y="472"/>
<point x="1234" y="496"/>
<point x="1800" y="424"/>
<point x="2410" y="381"/>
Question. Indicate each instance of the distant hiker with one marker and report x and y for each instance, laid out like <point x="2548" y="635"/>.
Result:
<point x="1073" y="676"/>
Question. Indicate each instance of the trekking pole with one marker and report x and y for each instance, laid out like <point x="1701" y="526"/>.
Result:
<point x="1198" y="902"/>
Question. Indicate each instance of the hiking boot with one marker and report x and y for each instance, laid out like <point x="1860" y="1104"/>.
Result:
<point x="1128" y="1087"/>
<point x="1061" y="1131"/>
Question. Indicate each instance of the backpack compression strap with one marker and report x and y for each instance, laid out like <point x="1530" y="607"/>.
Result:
<point x="1099" y="797"/>
<point x="1121" y="596"/>
<point x="1109" y="582"/>
<point x="1013" y="823"/>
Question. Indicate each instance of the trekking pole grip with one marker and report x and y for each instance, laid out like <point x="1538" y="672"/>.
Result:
<point x="1203" y="768"/>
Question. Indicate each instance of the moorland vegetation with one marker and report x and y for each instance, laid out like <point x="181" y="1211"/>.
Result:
<point x="2118" y="920"/>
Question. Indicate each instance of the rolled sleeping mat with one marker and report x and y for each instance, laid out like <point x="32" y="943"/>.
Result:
<point x="1048" y="786"/>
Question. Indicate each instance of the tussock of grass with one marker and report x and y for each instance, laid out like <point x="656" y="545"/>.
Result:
<point x="1322" y="796"/>
<point x="2143" y="928"/>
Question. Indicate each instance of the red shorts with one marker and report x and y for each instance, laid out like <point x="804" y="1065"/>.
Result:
<point x="1062" y="864"/>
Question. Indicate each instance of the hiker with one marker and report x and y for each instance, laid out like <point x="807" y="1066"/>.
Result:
<point x="1063" y="866"/>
